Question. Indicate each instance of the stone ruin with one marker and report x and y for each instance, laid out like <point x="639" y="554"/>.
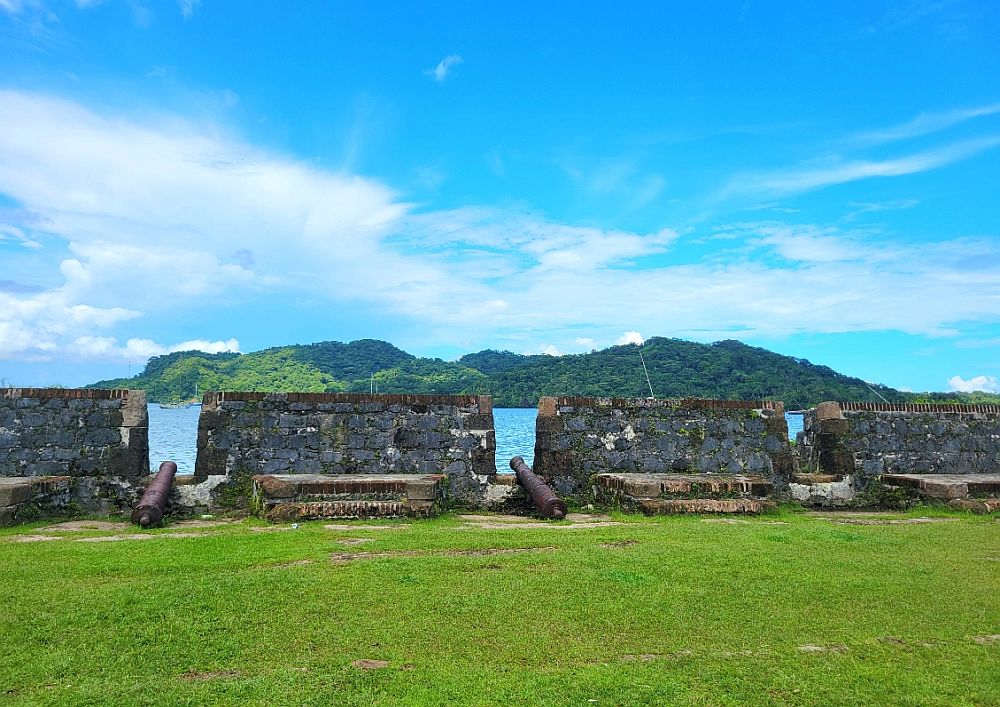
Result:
<point x="304" y="455"/>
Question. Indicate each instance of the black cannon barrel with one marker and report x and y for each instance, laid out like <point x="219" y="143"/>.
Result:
<point x="150" y="509"/>
<point x="545" y="499"/>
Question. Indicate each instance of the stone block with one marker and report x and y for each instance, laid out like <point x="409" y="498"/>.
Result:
<point x="829" y="411"/>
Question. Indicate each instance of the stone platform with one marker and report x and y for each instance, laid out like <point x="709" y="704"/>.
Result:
<point x="20" y="495"/>
<point x="947" y="486"/>
<point x="284" y="497"/>
<point x="655" y="494"/>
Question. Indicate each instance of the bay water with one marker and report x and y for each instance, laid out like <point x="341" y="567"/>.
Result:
<point x="173" y="434"/>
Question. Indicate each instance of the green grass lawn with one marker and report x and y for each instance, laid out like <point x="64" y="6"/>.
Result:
<point x="783" y="609"/>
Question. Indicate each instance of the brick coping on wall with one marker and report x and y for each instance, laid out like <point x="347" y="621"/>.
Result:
<point x="918" y="407"/>
<point x="68" y="393"/>
<point x="387" y="398"/>
<point x="547" y="405"/>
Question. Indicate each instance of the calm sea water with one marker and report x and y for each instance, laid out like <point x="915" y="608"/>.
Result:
<point x="173" y="434"/>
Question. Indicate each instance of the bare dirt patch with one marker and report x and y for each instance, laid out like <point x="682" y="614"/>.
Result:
<point x="347" y="526"/>
<point x="370" y="664"/>
<point x="813" y="648"/>
<point x="355" y="541"/>
<point x="138" y="536"/>
<point x="199" y="675"/>
<point x="574" y="521"/>
<point x="986" y="640"/>
<point x="742" y="521"/>
<point x="345" y="557"/>
<point x="114" y="538"/>
<point x="200" y="523"/>
<point x="890" y="521"/>
<point x="293" y="563"/>
<point x="893" y="640"/>
<point x="77" y="526"/>
<point x="33" y="538"/>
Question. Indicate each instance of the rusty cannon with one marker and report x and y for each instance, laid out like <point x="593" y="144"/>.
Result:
<point x="547" y="503"/>
<point x="149" y="512"/>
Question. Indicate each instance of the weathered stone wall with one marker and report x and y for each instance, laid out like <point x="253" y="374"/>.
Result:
<point x="99" y="438"/>
<point x="578" y="437"/>
<point x="243" y="434"/>
<point x="866" y="440"/>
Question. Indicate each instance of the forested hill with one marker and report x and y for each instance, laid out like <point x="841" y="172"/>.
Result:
<point x="726" y="369"/>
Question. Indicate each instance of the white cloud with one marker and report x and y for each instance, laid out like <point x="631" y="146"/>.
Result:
<point x="630" y="337"/>
<point x="188" y="7"/>
<point x="549" y="350"/>
<point x="107" y="347"/>
<point x="164" y="216"/>
<point x="164" y="202"/>
<point x="925" y="124"/>
<point x="808" y="177"/>
<point x="986" y="384"/>
<point x="440" y="72"/>
<point x="585" y="342"/>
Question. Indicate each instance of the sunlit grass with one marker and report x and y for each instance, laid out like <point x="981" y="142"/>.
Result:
<point x="785" y="609"/>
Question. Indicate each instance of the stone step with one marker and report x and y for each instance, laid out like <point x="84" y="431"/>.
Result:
<point x="313" y="510"/>
<point x="19" y="492"/>
<point x="674" y="506"/>
<point x="681" y="486"/>
<point x="282" y="497"/>
<point x="947" y="486"/>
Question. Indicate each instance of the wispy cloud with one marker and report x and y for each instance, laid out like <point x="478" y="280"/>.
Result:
<point x="860" y="208"/>
<point x="440" y="72"/>
<point x="923" y="124"/>
<point x="188" y="7"/>
<point x="806" y="178"/>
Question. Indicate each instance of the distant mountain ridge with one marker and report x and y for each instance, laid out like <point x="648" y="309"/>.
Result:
<point x="677" y="368"/>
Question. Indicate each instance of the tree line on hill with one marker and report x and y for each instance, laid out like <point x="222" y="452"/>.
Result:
<point x="725" y="369"/>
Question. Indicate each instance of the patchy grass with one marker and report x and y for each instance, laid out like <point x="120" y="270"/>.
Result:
<point x="785" y="609"/>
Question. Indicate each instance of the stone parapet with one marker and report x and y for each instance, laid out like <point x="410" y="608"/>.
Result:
<point x="577" y="438"/>
<point x="241" y="435"/>
<point x="98" y="438"/>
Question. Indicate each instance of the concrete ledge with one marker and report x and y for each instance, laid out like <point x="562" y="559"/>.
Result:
<point x="946" y="486"/>
<point x="282" y="497"/>
<point x="19" y="492"/>
<point x="704" y="505"/>
<point x="665" y="485"/>
<point x="312" y="510"/>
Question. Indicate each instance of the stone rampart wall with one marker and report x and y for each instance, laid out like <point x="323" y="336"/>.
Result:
<point x="243" y="434"/>
<point x="95" y="442"/>
<point x="70" y="432"/>
<point x="869" y="439"/>
<point x="579" y="437"/>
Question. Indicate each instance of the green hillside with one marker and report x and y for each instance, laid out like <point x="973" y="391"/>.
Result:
<point x="725" y="369"/>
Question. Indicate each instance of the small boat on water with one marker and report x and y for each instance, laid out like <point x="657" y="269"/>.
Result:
<point x="183" y="404"/>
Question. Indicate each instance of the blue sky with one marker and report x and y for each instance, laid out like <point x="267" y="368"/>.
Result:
<point x="537" y="177"/>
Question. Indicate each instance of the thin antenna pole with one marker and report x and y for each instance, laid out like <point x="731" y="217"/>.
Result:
<point x="876" y="393"/>
<point x="646" y="371"/>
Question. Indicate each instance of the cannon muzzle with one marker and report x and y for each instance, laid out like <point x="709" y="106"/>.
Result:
<point x="149" y="512"/>
<point x="546" y="501"/>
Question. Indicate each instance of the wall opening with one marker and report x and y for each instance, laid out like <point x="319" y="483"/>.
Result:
<point x="515" y="430"/>
<point x="173" y="435"/>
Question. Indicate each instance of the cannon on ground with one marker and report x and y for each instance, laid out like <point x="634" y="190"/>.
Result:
<point x="149" y="512"/>
<point x="547" y="503"/>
